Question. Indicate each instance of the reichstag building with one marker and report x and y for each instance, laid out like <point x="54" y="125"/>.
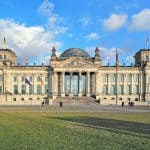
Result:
<point x="74" y="77"/>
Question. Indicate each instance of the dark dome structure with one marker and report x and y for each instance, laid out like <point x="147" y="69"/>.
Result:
<point x="74" y="52"/>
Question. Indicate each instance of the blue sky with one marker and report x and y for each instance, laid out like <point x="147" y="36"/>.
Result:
<point x="32" y="28"/>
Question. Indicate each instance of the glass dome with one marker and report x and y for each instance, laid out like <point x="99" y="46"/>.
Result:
<point x="74" y="52"/>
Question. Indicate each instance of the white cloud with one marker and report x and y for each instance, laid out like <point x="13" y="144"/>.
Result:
<point x="115" y="22"/>
<point x="27" y="41"/>
<point x="141" y="20"/>
<point x="34" y="41"/>
<point x="92" y="36"/>
<point x="85" y="21"/>
<point x="46" y="8"/>
<point x="125" y="6"/>
<point x="54" y="21"/>
<point x="130" y="59"/>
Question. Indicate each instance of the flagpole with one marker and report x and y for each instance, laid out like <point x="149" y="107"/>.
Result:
<point x="147" y="42"/>
<point x="116" y="84"/>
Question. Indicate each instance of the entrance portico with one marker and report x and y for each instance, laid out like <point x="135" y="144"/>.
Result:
<point x="74" y="73"/>
<point x="74" y="84"/>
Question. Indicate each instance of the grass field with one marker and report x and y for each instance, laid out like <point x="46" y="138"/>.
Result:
<point x="74" y="131"/>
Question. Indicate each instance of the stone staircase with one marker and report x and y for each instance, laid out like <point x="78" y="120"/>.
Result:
<point x="75" y="100"/>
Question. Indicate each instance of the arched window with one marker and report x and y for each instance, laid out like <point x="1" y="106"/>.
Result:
<point x="39" y="89"/>
<point x="15" y="89"/>
<point x="120" y="89"/>
<point x="112" y="89"/>
<point x="104" y="89"/>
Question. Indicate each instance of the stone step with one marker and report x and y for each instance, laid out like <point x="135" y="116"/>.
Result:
<point x="75" y="100"/>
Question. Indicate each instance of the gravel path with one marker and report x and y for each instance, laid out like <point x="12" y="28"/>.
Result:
<point x="76" y="108"/>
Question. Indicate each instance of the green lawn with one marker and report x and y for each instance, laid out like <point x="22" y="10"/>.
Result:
<point x="74" y="131"/>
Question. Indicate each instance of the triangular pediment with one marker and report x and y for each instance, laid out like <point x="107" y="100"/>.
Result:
<point x="77" y="63"/>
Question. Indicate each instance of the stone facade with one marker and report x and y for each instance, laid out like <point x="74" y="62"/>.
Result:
<point x="74" y="75"/>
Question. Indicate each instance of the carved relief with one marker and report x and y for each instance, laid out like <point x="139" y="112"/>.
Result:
<point x="76" y="63"/>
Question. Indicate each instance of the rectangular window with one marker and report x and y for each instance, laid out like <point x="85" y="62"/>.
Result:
<point x="104" y="78"/>
<point x="4" y="57"/>
<point x="23" y="79"/>
<point x="15" y="79"/>
<point x="135" y="78"/>
<point x="1" y="89"/>
<point x="38" y="78"/>
<point x="31" y="89"/>
<point x="31" y="78"/>
<point x="22" y="99"/>
<point x="39" y="89"/>
<point x="23" y="89"/>
<point x="15" y="89"/>
<point x="46" y="89"/>
<point x="1" y="77"/>
<point x="46" y="79"/>
<point x="14" y="99"/>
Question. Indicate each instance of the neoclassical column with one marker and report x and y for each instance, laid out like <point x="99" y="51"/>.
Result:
<point x="27" y="85"/>
<point x="131" y="83"/>
<point x="56" y="83"/>
<point x="63" y="84"/>
<point x="141" y="86"/>
<point x="35" y="84"/>
<point x="146" y="84"/>
<point x="88" y="84"/>
<point x="80" y="84"/>
<point x="42" y="83"/>
<point x="50" y="83"/>
<point x="71" y="84"/>
<point x="124" y="84"/>
<point x="97" y="84"/>
<point x="19" y="84"/>
<point x="108" y="83"/>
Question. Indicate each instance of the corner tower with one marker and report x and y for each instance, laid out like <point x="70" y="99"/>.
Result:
<point x="7" y="56"/>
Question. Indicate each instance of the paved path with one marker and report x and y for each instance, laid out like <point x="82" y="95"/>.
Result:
<point x="77" y="108"/>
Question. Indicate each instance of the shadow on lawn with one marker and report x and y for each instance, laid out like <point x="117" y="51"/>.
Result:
<point x="117" y="126"/>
